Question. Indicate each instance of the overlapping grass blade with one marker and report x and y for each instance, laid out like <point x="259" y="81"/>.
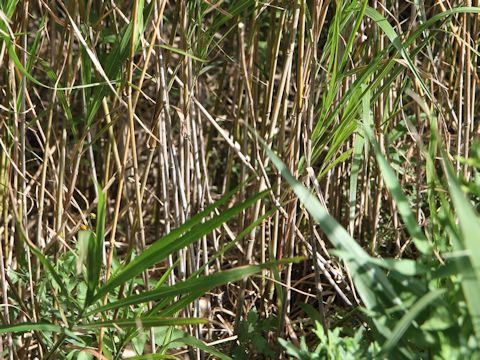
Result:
<point x="141" y="322"/>
<point x="403" y="325"/>
<point x="200" y="285"/>
<point x="171" y="243"/>
<point x="383" y="23"/>
<point x="469" y="223"/>
<point x="403" y="205"/>
<point x="95" y="250"/>
<point x="372" y="284"/>
<point x="117" y="57"/>
<point x="194" y="342"/>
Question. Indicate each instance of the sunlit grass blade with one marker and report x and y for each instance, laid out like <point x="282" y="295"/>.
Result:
<point x="383" y="23"/>
<point x="403" y="205"/>
<point x="406" y="321"/>
<point x="358" y="147"/>
<point x="30" y="326"/>
<point x="372" y="284"/>
<point x="201" y="284"/>
<point x="37" y="326"/>
<point x="142" y="322"/>
<point x="169" y="244"/>
<point x="469" y="223"/>
<point x="194" y="342"/>
<point x="95" y="249"/>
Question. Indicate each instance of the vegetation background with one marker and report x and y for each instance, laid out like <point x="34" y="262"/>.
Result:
<point x="246" y="179"/>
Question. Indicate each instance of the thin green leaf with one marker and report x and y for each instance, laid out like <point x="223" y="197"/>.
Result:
<point x="30" y="326"/>
<point x="403" y="205"/>
<point x="95" y="250"/>
<point x="407" y="320"/>
<point x="123" y="275"/>
<point x="470" y="229"/>
<point x="194" y="342"/>
<point x="142" y="322"/>
<point x="201" y="284"/>
<point x="181" y="52"/>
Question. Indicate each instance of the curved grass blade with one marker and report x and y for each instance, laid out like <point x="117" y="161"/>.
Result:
<point x="403" y="205"/>
<point x="95" y="249"/>
<point x="373" y="286"/>
<point x="170" y="243"/>
<point x="469" y="223"/>
<point x="201" y="284"/>
<point x="409" y="317"/>
<point x="141" y="322"/>
<point x="196" y="343"/>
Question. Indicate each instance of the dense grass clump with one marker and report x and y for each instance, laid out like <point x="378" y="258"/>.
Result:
<point x="239" y="179"/>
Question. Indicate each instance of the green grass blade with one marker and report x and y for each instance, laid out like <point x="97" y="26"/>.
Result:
<point x="95" y="249"/>
<point x="141" y="322"/>
<point x="371" y="282"/>
<point x="201" y="284"/>
<point x="194" y="342"/>
<point x="469" y="223"/>
<point x="115" y="60"/>
<point x="403" y="205"/>
<point x="358" y="146"/>
<point x="392" y="35"/>
<point x="170" y="237"/>
<point x="30" y="326"/>
<point x="169" y="244"/>
<point x="152" y="357"/>
<point x="410" y="316"/>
